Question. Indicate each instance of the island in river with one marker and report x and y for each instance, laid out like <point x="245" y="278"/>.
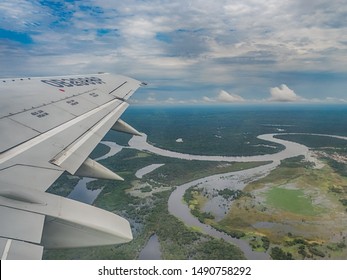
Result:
<point x="245" y="182"/>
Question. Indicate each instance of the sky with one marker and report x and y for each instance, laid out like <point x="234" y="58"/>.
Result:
<point x="189" y="52"/>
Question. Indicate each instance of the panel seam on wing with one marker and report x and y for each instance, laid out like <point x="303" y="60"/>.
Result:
<point x="70" y="150"/>
<point x="9" y="154"/>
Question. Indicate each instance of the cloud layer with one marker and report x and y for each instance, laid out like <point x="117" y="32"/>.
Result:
<point x="185" y="50"/>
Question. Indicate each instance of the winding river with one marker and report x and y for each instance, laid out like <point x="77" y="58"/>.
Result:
<point x="291" y="149"/>
<point x="238" y="180"/>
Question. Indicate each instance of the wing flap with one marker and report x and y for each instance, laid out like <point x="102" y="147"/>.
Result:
<point x="38" y="178"/>
<point x="28" y="225"/>
<point x="58" y="222"/>
<point x="82" y="225"/>
<point x="72" y="157"/>
<point x="19" y="250"/>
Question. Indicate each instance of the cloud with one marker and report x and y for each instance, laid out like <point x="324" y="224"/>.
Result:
<point x="335" y="100"/>
<point x="208" y="99"/>
<point x="170" y="99"/>
<point x="224" y="96"/>
<point x="283" y="94"/>
<point x="151" y="99"/>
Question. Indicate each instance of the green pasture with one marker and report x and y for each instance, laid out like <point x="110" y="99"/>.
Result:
<point x="291" y="200"/>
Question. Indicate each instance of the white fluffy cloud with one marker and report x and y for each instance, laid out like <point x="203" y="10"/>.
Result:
<point x="283" y="94"/>
<point x="224" y="96"/>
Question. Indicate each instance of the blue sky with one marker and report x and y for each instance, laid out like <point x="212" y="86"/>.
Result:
<point x="189" y="52"/>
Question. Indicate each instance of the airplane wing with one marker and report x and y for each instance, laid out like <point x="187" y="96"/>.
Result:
<point x="47" y="126"/>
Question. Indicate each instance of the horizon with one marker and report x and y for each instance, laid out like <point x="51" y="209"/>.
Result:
<point x="239" y="105"/>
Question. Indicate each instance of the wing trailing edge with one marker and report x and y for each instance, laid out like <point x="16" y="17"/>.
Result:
<point x="53" y="221"/>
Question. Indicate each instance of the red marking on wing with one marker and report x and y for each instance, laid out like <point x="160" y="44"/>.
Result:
<point x="62" y="90"/>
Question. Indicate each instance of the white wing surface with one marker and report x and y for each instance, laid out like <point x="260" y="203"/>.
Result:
<point x="48" y="126"/>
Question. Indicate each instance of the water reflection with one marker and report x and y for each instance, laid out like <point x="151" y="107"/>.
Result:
<point x="152" y="249"/>
<point x="82" y="194"/>
<point x="80" y="191"/>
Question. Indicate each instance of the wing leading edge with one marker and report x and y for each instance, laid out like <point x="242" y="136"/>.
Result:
<point x="48" y="126"/>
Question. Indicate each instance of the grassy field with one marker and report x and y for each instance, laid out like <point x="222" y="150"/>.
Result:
<point x="291" y="200"/>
